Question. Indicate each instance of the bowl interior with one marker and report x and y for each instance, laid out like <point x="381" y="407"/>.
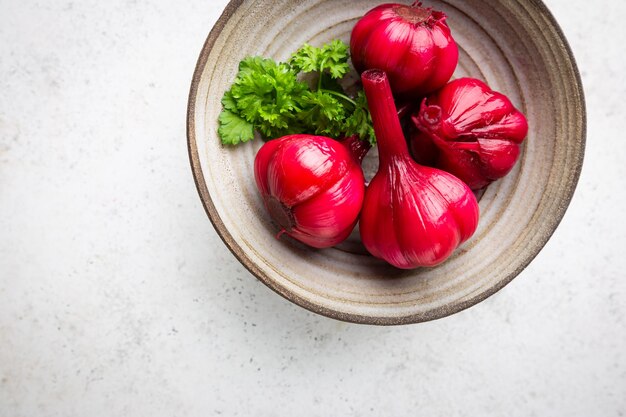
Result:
<point x="516" y="47"/>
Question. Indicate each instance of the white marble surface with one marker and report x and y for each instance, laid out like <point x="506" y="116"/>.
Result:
<point x="118" y="298"/>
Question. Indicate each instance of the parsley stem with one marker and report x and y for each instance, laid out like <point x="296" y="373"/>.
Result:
<point x="332" y="92"/>
<point x="319" y="81"/>
<point x="341" y="95"/>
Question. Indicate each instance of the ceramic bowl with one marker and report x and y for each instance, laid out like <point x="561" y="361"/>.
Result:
<point x="515" y="46"/>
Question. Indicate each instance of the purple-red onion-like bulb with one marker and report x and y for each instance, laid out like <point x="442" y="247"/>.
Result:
<point x="469" y="130"/>
<point x="312" y="186"/>
<point x="412" y="44"/>
<point x="412" y="215"/>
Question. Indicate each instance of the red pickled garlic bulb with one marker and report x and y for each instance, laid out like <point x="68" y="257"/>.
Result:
<point x="412" y="215"/>
<point x="412" y="44"/>
<point x="470" y="131"/>
<point x="312" y="186"/>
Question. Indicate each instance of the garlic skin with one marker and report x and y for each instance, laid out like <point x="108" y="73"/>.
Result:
<point x="416" y="216"/>
<point x="312" y="186"/>
<point x="412" y="215"/>
<point x="412" y="44"/>
<point x="469" y="130"/>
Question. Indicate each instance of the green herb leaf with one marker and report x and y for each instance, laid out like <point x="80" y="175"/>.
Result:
<point x="233" y="129"/>
<point x="321" y="113"/>
<point x="332" y="57"/>
<point x="360" y="121"/>
<point x="306" y="59"/>
<point x="229" y="103"/>
<point x="336" y="58"/>
<point x="265" y="95"/>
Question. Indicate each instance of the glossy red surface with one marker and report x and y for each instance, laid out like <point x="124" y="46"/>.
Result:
<point x="470" y="131"/>
<point x="312" y="186"/>
<point x="412" y="215"/>
<point x="412" y="44"/>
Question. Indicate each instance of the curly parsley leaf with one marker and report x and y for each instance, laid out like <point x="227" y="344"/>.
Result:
<point x="360" y="121"/>
<point x="336" y="58"/>
<point x="306" y="59"/>
<point x="331" y="58"/>
<point x="233" y="129"/>
<point x="322" y="114"/>
<point x="266" y="94"/>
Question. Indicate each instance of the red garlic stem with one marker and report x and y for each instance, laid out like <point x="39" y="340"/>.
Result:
<point x="389" y="136"/>
<point x="430" y="115"/>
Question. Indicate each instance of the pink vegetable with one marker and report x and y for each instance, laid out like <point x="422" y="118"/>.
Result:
<point x="470" y="131"/>
<point x="412" y="215"/>
<point x="412" y="44"/>
<point x="312" y="186"/>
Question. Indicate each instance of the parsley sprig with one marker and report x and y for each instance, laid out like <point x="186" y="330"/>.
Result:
<point x="268" y="97"/>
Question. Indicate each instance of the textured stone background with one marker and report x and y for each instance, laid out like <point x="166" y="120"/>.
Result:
<point x="118" y="298"/>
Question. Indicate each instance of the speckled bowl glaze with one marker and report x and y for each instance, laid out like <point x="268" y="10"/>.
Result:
<point x="515" y="46"/>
